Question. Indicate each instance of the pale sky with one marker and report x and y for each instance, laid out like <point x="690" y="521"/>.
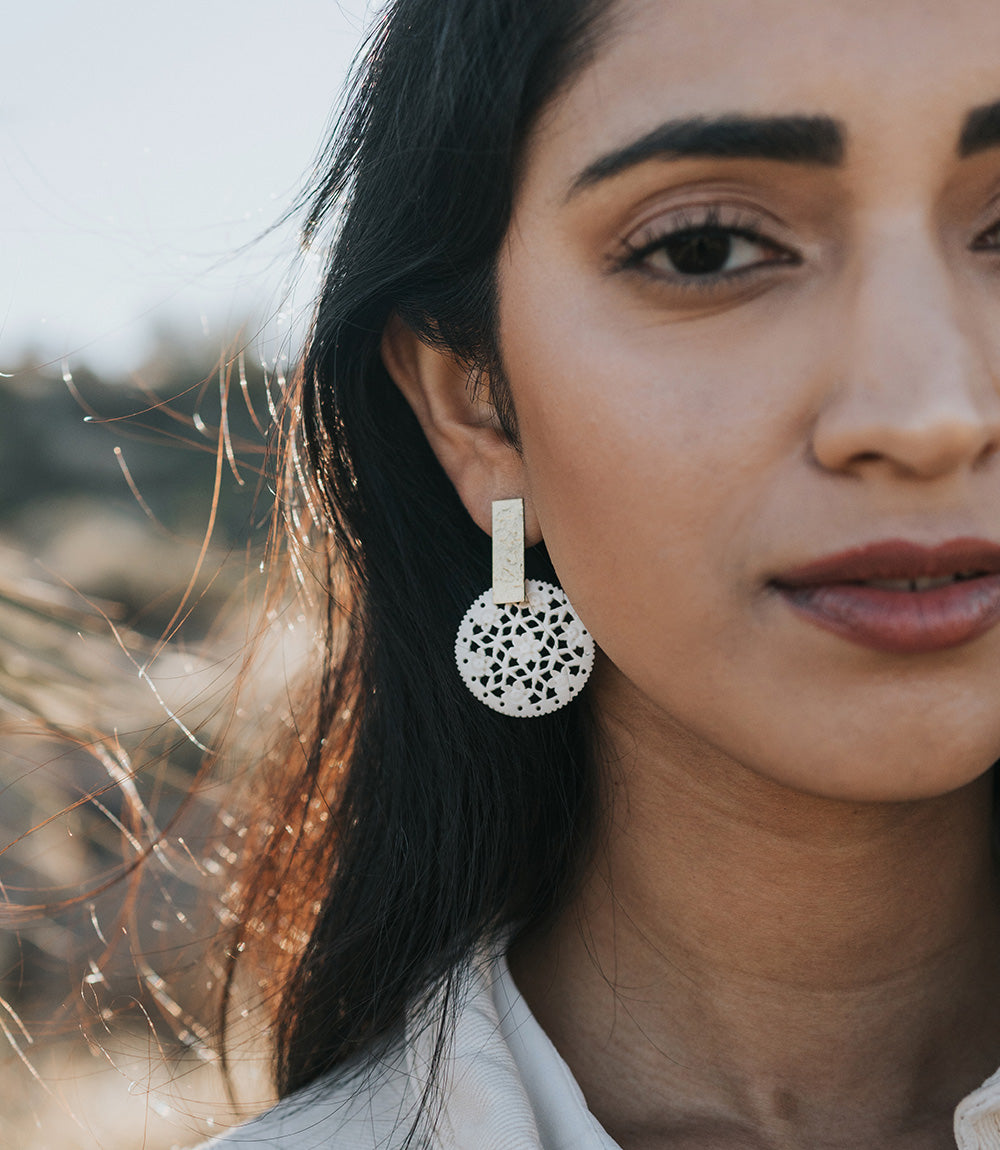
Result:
<point x="142" y="145"/>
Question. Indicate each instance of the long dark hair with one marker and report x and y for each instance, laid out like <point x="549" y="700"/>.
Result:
<point x="409" y="823"/>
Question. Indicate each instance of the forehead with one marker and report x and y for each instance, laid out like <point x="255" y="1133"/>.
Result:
<point x="894" y="70"/>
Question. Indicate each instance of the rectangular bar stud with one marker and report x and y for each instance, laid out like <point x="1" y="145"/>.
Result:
<point x="508" y="551"/>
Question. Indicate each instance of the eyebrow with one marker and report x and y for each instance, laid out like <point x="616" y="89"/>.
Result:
<point x="814" y="140"/>
<point x="981" y="130"/>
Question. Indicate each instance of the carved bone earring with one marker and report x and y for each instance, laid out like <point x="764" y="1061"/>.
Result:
<point x="521" y="648"/>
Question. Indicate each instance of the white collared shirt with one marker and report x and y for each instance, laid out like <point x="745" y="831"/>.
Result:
<point x="506" y="1088"/>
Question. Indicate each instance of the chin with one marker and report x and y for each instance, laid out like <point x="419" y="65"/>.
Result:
<point x="890" y="774"/>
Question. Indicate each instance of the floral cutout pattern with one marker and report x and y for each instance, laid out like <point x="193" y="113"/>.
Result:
<point x="524" y="659"/>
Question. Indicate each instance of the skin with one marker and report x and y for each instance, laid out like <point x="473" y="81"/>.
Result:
<point x="789" y="932"/>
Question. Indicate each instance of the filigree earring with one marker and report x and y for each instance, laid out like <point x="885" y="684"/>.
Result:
<point x="521" y="648"/>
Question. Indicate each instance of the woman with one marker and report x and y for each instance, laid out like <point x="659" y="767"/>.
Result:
<point x="713" y="288"/>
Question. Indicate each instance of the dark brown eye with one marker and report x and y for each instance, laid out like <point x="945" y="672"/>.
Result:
<point x="708" y="251"/>
<point x="699" y="251"/>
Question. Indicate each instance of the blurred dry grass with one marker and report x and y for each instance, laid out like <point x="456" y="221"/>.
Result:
<point x="88" y="1104"/>
<point x="95" y="757"/>
<point x="98" y="1052"/>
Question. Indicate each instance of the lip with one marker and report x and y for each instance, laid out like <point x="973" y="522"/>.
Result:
<point x="831" y="593"/>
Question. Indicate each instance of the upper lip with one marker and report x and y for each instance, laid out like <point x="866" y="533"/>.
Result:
<point x="896" y="559"/>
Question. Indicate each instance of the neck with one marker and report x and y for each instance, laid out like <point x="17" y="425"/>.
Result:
<point x="768" y="968"/>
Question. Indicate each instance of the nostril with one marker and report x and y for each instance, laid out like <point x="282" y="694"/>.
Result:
<point x="987" y="453"/>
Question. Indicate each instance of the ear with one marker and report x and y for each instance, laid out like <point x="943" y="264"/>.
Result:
<point x="461" y="429"/>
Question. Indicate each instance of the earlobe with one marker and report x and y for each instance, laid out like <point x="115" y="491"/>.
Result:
<point x="460" y="426"/>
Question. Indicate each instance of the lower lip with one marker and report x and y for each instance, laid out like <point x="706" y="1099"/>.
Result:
<point x="901" y="622"/>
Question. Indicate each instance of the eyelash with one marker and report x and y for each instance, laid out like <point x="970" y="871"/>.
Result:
<point x="733" y="225"/>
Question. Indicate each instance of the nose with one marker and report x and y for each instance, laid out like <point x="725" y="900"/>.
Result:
<point x="914" y="394"/>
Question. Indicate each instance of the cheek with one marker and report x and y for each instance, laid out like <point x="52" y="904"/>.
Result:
<point x="668" y="469"/>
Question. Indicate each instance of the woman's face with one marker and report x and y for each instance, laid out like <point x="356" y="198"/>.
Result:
<point x="750" y="313"/>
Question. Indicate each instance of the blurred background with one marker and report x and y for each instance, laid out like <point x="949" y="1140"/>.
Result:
<point x="152" y="301"/>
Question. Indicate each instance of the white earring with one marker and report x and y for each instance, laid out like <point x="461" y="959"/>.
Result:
<point x="521" y="648"/>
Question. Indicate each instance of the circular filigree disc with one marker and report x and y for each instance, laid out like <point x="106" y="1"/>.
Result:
<point x="524" y="659"/>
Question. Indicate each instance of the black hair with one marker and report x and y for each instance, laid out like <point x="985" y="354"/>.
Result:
<point x="442" y="825"/>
